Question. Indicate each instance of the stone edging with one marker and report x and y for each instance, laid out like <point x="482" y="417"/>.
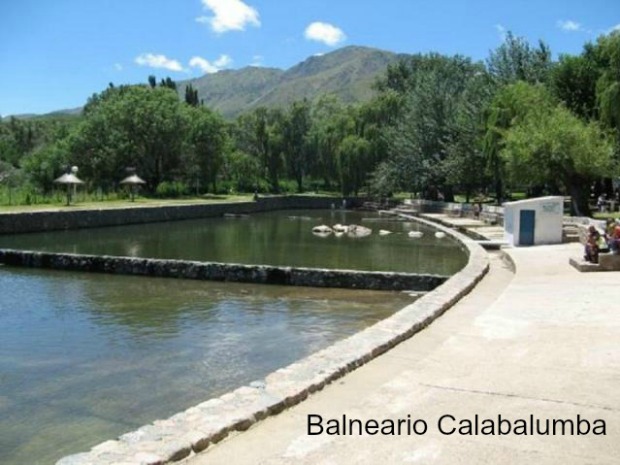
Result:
<point x="196" y="428"/>
<point x="231" y="272"/>
<point x="50" y="220"/>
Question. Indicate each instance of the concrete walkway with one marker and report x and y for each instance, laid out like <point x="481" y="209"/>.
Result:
<point x="543" y="342"/>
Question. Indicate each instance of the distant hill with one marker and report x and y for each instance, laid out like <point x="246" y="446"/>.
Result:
<point x="58" y="114"/>
<point x="347" y="72"/>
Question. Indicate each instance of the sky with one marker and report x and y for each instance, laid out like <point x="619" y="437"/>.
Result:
<point x="54" y="54"/>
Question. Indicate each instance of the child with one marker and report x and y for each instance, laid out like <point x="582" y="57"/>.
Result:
<point x="592" y="250"/>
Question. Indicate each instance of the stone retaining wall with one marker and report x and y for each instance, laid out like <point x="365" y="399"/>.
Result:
<point x="259" y="274"/>
<point x="196" y="428"/>
<point x="14" y="223"/>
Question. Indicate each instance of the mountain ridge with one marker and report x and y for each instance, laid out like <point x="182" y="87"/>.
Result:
<point x="348" y="72"/>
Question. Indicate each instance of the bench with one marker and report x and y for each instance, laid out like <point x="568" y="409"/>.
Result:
<point x="609" y="262"/>
<point x="606" y="262"/>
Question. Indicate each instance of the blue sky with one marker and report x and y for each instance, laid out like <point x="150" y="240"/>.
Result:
<point x="55" y="54"/>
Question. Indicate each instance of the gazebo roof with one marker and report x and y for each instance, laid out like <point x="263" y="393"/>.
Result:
<point x="133" y="179"/>
<point x="68" y="178"/>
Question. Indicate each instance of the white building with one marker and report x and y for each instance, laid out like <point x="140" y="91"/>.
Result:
<point x="534" y="221"/>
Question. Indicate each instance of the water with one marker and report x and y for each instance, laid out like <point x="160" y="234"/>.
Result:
<point x="87" y="357"/>
<point x="279" y="238"/>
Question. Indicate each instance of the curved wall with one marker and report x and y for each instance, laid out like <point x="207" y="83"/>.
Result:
<point x="194" y="429"/>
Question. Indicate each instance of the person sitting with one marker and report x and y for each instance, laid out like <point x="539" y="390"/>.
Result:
<point x="592" y="248"/>
<point x="612" y="236"/>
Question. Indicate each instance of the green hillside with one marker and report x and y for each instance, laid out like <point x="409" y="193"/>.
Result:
<point x="348" y="73"/>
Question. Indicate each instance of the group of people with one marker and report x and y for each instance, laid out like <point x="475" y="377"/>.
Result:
<point x="608" y="241"/>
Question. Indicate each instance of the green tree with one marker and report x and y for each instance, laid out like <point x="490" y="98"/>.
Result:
<point x="418" y="141"/>
<point x="258" y="133"/>
<point x="191" y="96"/>
<point x="509" y="105"/>
<point x="548" y="144"/>
<point x="130" y="127"/>
<point x="331" y="123"/>
<point x="573" y="81"/>
<point x="46" y="164"/>
<point x="516" y="60"/>
<point x="208" y="140"/>
<point x="295" y="129"/>
<point x="352" y="160"/>
<point x="607" y="52"/>
<point x="243" y="170"/>
<point x="465" y="163"/>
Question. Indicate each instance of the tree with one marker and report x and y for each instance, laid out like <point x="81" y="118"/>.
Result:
<point x="168" y="83"/>
<point x="352" y="161"/>
<point x="294" y="138"/>
<point x="548" y="144"/>
<point x="573" y="81"/>
<point x="418" y="141"/>
<point x="509" y="106"/>
<point x="465" y="163"/>
<point x="191" y="96"/>
<point x="208" y="141"/>
<point x="243" y="169"/>
<point x="607" y="53"/>
<point x="152" y="81"/>
<point x="331" y="123"/>
<point x="132" y="126"/>
<point x="515" y="60"/>
<point x="258" y="133"/>
<point x="46" y="164"/>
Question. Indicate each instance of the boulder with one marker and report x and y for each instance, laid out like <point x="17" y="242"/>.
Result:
<point x="356" y="230"/>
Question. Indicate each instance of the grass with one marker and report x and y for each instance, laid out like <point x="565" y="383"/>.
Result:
<point x="124" y="203"/>
<point x="606" y="215"/>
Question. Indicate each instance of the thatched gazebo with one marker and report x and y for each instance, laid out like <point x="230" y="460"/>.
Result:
<point x="133" y="181"/>
<point x="69" y="179"/>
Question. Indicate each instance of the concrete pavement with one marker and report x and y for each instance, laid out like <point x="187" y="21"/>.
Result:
<point x="543" y="342"/>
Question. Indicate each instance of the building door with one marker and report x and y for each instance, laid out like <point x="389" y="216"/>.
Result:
<point x="527" y="221"/>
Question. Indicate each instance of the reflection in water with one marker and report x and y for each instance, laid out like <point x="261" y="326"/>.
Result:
<point x="86" y="357"/>
<point x="279" y="238"/>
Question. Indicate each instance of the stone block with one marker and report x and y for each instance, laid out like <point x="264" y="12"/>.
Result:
<point x="609" y="262"/>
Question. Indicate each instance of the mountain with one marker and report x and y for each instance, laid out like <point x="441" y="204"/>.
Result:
<point x="347" y="72"/>
<point x="58" y="114"/>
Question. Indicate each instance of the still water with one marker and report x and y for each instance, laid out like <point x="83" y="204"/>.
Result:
<point x="278" y="238"/>
<point x="87" y="357"/>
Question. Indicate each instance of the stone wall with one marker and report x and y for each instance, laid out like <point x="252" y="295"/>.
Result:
<point x="259" y="274"/>
<point x="490" y="213"/>
<point x="14" y="223"/>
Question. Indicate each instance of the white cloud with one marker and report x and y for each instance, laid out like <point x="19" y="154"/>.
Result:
<point x="209" y="68"/>
<point x="118" y="67"/>
<point x="325" y="32"/>
<point x="502" y="31"/>
<point x="569" y="26"/>
<point x="229" y="15"/>
<point x="257" y="60"/>
<point x="613" y="29"/>
<point x="158" y="61"/>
